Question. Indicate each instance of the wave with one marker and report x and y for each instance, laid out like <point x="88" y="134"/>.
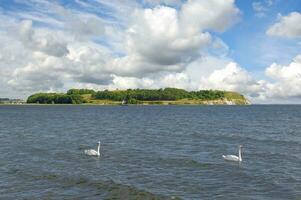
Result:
<point x="103" y="189"/>
<point x="269" y="138"/>
<point x="186" y="162"/>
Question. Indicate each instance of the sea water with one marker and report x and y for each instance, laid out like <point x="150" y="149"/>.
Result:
<point x="150" y="152"/>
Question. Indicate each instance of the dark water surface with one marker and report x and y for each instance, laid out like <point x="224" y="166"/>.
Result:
<point x="150" y="152"/>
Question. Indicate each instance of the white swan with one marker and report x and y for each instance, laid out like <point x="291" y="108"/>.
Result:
<point x="92" y="152"/>
<point x="233" y="157"/>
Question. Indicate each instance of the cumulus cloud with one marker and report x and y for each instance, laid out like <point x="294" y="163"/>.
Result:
<point x="159" y="40"/>
<point x="176" y="80"/>
<point x="36" y="74"/>
<point x="167" y="39"/>
<point x="81" y="46"/>
<point x="84" y="63"/>
<point x="287" y="79"/>
<point x="123" y="82"/>
<point x="234" y="78"/>
<point x="159" y="29"/>
<point x="48" y="56"/>
<point x="287" y="26"/>
<point x="53" y="43"/>
<point x="137" y="66"/>
<point x="198" y="14"/>
<point x="88" y="63"/>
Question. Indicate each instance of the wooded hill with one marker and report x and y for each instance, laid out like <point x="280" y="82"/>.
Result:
<point x="138" y="96"/>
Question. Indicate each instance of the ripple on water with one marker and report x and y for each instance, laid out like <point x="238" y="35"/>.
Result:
<point x="105" y="189"/>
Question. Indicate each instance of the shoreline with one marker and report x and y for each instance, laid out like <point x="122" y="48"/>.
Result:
<point x="91" y="104"/>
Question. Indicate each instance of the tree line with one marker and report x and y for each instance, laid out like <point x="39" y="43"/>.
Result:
<point x="131" y="96"/>
<point x="80" y="91"/>
<point x="168" y="94"/>
<point x="55" y="98"/>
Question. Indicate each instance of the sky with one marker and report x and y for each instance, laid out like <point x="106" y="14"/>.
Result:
<point x="252" y="47"/>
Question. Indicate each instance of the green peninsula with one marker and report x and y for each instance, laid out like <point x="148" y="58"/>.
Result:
<point x="167" y="96"/>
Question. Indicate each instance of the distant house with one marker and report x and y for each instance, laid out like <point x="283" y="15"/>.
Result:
<point x="4" y="100"/>
<point x="11" y="101"/>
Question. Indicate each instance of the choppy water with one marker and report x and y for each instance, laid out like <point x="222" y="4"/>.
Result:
<point x="150" y="152"/>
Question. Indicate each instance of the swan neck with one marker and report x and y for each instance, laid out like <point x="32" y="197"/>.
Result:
<point x="239" y="153"/>
<point x="98" y="148"/>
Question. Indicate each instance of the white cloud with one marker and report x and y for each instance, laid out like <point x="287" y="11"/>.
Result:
<point x="259" y="9"/>
<point x="53" y="43"/>
<point x="287" y="26"/>
<point x="214" y="15"/>
<point x="177" y="80"/>
<point x="234" y="78"/>
<point x="167" y="39"/>
<point x="84" y="63"/>
<point x="262" y="7"/>
<point x="36" y="74"/>
<point x="87" y="63"/>
<point x="159" y="29"/>
<point x="131" y="82"/>
<point x="204" y="66"/>
<point x="287" y="79"/>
